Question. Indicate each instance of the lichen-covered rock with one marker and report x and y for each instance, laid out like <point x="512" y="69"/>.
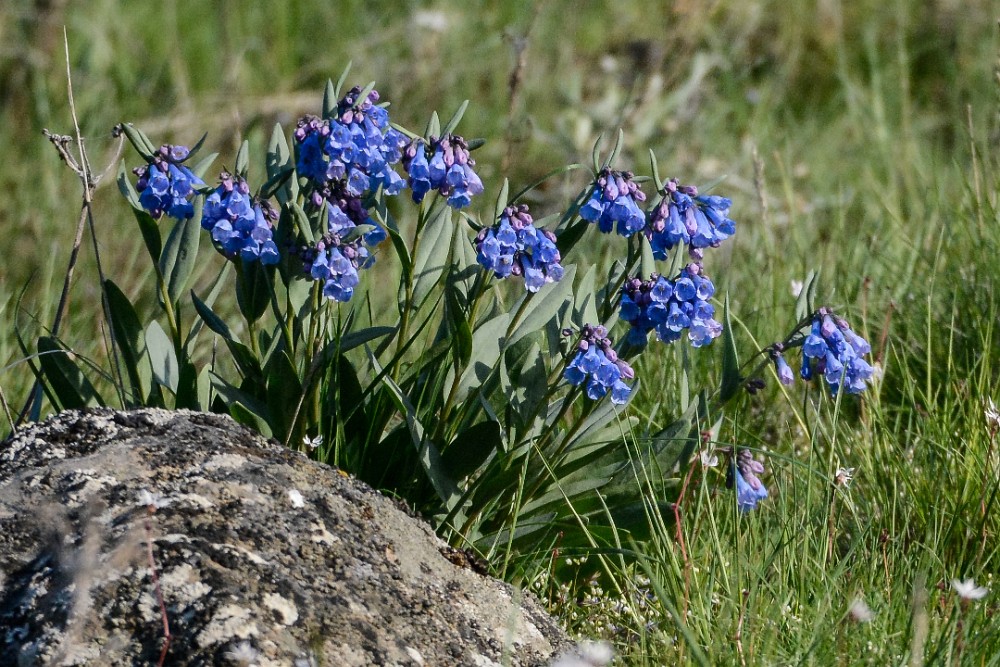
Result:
<point x="261" y="557"/>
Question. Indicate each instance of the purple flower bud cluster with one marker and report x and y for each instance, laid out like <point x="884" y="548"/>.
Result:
<point x="240" y="225"/>
<point x="836" y="352"/>
<point x="682" y="216"/>
<point x="357" y="148"/>
<point x="335" y="262"/>
<point x="165" y="185"/>
<point x="597" y="366"/>
<point x="612" y="203"/>
<point x="742" y="473"/>
<point x="669" y="307"/>
<point x="514" y="246"/>
<point x="448" y="170"/>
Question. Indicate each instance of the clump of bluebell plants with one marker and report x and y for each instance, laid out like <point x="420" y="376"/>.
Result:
<point x="472" y="399"/>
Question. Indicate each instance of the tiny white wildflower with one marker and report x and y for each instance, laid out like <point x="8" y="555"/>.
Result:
<point x="430" y="19"/>
<point x="967" y="590"/>
<point x="147" y="499"/>
<point x="586" y="654"/>
<point x="296" y="498"/>
<point x="312" y="443"/>
<point x="796" y="288"/>
<point x="992" y="415"/>
<point x="860" y="611"/>
<point x="844" y="476"/>
<point x="242" y="654"/>
<point x="709" y="459"/>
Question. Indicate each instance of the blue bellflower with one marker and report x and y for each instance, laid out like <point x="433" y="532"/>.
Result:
<point x="166" y="186"/>
<point x="597" y="368"/>
<point x="240" y="225"/>
<point x="613" y="203"/>
<point x="670" y="307"/>
<point x="833" y="350"/>
<point x="684" y="217"/>
<point x="449" y="170"/>
<point x="742" y="474"/>
<point x="514" y="246"/>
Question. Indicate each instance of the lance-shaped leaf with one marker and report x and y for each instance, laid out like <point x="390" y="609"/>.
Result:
<point x="162" y="357"/>
<point x="456" y="119"/>
<point x="433" y="253"/>
<point x="545" y="304"/>
<point x="180" y="253"/>
<point x="147" y="226"/>
<point x="243" y="159"/>
<point x="486" y="347"/>
<point x="63" y="378"/>
<point x="127" y="330"/>
<point x="806" y="302"/>
<point x="253" y="289"/>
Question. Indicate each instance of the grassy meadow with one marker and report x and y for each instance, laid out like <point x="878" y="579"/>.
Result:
<point x="856" y="139"/>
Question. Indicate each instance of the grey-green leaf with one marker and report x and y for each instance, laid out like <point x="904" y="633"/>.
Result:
<point x="180" y="253"/>
<point x="162" y="357"/>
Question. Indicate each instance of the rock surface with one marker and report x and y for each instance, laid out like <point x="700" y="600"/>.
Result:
<point x="262" y="556"/>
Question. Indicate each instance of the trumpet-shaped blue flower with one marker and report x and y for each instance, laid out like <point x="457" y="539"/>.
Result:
<point x="669" y="307"/>
<point x="613" y="203"/>
<point x="165" y="185"/>
<point x="449" y="170"/>
<point x="241" y="225"/>
<point x="514" y="246"/>
<point x="742" y="474"/>
<point x="684" y="217"/>
<point x="833" y="350"/>
<point x="597" y="368"/>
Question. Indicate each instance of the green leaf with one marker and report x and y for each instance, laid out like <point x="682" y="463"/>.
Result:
<point x="399" y="245"/>
<point x="331" y="95"/>
<point x="216" y="290"/>
<point x="545" y="304"/>
<point x="340" y="82"/>
<point x="162" y="357"/>
<point x="656" y="170"/>
<point x="619" y="141"/>
<point x="351" y="340"/>
<point x="180" y="253"/>
<point x="470" y="449"/>
<point x="363" y="95"/>
<point x="301" y="221"/>
<point x="464" y="269"/>
<point x="283" y="392"/>
<point x="187" y="387"/>
<point x="147" y="226"/>
<point x="208" y="316"/>
<point x="584" y="301"/>
<point x="806" y="303"/>
<point x="456" y="119"/>
<point x="279" y="169"/>
<point x="570" y="236"/>
<point x="731" y="379"/>
<point x="139" y="141"/>
<point x="243" y="159"/>
<point x="433" y="126"/>
<point x="253" y="289"/>
<point x="647" y="265"/>
<point x="433" y="254"/>
<point x="673" y="446"/>
<point x="528" y="398"/>
<point x="501" y="200"/>
<point x="249" y="418"/>
<point x="127" y="330"/>
<point x="486" y="347"/>
<point x="63" y="378"/>
<point x="595" y="154"/>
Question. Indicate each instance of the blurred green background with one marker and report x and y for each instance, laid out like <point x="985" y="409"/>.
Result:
<point x="856" y="138"/>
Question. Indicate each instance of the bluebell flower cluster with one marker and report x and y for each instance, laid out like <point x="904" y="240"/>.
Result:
<point x="613" y="203"/>
<point x="514" y="246"/>
<point x="357" y="148"/>
<point x="669" y="307"/>
<point x="834" y="351"/>
<point x="596" y="366"/>
<point x="684" y="217"/>
<point x="240" y="225"/>
<point x="166" y="186"/>
<point x="449" y="169"/>
<point x="742" y="474"/>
